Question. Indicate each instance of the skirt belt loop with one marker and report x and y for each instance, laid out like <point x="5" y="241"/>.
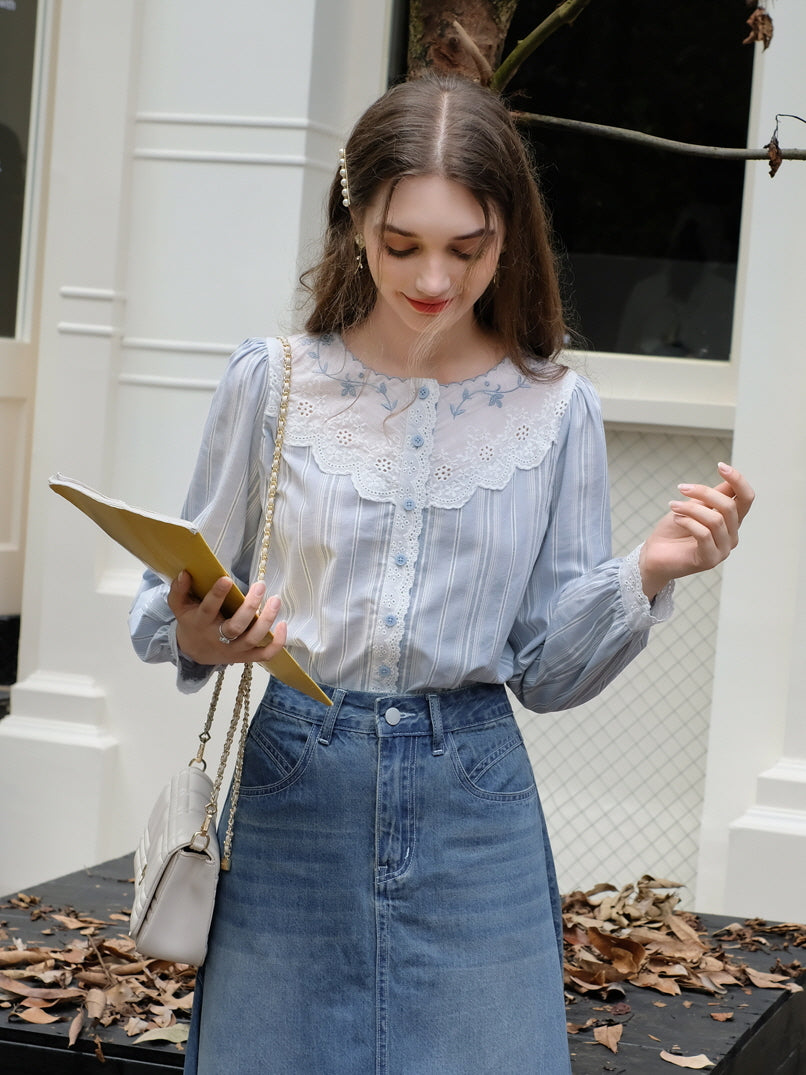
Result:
<point x="326" y="734"/>
<point x="437" y="733"/>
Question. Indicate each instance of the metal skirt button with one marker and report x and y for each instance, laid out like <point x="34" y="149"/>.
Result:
<point x="393" y="716"/>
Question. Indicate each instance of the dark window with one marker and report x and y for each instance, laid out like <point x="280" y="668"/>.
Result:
<point x="17" y="35"/>
<point x="650" y="238"/>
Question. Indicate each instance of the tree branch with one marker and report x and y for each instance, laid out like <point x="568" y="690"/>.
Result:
<point x="621" y="134"/>
<point x="473" y="51"/>
<point x="565" y="13"/>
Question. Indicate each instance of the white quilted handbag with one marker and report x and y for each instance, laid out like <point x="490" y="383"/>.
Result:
<point x="176" y="868"/>
<point x="177" y="861"/>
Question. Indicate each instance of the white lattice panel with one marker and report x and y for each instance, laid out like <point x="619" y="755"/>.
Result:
<point x="621" y="778"/>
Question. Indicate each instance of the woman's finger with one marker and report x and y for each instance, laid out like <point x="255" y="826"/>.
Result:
<point x="740" y="488"/>
<point x="245" y="615"/>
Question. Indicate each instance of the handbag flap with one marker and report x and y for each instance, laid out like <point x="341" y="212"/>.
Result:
<point x="176" y="817"/>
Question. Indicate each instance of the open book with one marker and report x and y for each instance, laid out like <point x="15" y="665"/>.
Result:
<point x="169" y="546"/>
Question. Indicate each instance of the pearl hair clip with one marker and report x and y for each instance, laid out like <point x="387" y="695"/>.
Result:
<point x="345" y="186"/>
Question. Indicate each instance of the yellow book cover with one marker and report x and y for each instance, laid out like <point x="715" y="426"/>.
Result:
<point x="169" y="546"/>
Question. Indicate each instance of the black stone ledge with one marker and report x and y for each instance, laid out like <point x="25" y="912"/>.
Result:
<point x="27" y="1049"/>
<point x="767" y="1035"/>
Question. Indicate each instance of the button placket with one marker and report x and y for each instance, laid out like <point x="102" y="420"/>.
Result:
<point x="410" y="502"/>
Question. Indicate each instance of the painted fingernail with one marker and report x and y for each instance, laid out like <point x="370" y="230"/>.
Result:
<point x="723" y="468"/>
<point x="685" y="488"/>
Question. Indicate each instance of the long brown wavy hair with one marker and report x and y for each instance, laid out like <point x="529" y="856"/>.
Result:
<point x="454" y="128"/>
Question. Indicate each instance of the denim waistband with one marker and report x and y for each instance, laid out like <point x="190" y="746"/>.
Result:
<point x="430" y="713"/>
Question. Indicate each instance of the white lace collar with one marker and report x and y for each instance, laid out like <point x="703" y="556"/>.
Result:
<point x="442" y="441"/>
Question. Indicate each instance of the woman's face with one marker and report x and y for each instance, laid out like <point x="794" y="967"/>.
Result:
<point x="424" y="256"/>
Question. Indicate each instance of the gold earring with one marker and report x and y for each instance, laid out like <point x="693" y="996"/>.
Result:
<point x="359" y="257"/>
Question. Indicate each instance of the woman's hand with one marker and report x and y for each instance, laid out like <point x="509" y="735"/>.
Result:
<point x="204" y="635"/>
<point x="698" y="533"/>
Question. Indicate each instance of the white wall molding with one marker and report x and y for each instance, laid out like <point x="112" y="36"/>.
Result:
<point x="201" y="156"/>
<point x="76" y="328"/>
<point x="79" y="696"/>
<point x="146" y="380"/>
<point x="95" y="294"/>
<point x="191" y="347"/>
<point x="54" y="733"/>
<point x="674" y="392"/>
<point x="198" y="119"/>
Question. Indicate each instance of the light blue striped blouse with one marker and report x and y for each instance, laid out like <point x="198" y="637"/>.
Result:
<point x="426" y="536"/>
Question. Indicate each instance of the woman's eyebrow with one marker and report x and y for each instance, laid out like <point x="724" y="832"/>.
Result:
<point x="456" y="238"/>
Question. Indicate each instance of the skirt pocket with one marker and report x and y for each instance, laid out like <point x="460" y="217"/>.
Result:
<point x="491" y="761"/>
<point x="278" y="750"/>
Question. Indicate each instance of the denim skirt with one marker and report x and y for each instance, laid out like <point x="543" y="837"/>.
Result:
<point x="392" y="907"/>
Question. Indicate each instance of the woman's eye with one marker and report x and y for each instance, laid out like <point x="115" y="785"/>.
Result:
<point x="463" y="255"/>
<point x="395" y="253"/>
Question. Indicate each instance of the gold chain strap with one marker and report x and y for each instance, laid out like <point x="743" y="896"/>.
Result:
<point x="240" y="713"/>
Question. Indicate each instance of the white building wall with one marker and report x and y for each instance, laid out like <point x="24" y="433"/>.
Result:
<point x="191" y="145"/>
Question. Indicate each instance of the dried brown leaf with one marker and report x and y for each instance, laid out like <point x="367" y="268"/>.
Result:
<point x="76" y="1027"/>
<point x="761" y="28"/>
<point x="625" y="954"/>
<point x="95" y="1003"/>
<point x="77" y="953"/>
<point x="16" y="956"/>
<point x="68" y="921"/>
<point x="647" y="980"/>
<point x="775" y="155"/>
<point x="20" y="989"/>
<point x="609" y="1036"/>
<point x="721" y="1017"/>
<point x="135" y="1025"/>
<point x="696" y="1062"/>
<point x="38" y="1016"/>
<point x="680" y="927"/>
<point x="575" y="1028"/>
<point x="176" y="1033"/>
<point x="765" y="981"/>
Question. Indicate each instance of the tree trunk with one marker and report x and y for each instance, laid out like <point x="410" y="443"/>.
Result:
<point x="463" y="37"/>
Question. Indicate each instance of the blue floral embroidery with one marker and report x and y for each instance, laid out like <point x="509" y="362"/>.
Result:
<point x="495" y="395"/>
<point x="351" y="385"/>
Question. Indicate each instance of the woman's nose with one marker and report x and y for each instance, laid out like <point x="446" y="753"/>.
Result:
<point x="433" y="278"/>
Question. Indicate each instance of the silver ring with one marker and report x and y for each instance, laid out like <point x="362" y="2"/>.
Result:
<point x="224" y="638"/>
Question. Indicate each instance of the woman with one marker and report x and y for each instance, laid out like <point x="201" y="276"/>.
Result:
<point x="442" y="531"/>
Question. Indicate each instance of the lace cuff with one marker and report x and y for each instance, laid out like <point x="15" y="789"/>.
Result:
<point x="640" y="612"/>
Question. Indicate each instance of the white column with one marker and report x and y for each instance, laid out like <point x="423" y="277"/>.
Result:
<point x="753" y="846"/>
<point x="59" y="753"/>
<point x="192" y="144"/>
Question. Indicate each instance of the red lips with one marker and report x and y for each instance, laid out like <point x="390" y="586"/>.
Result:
<point x="427" y="307"/>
